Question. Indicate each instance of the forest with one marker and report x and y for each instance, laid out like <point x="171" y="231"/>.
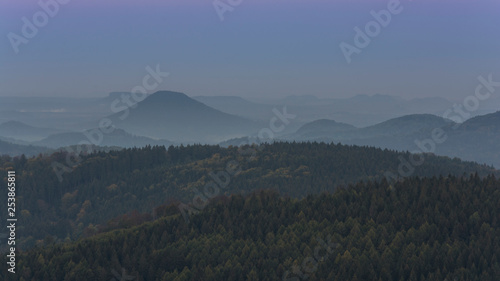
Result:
<point x="438" y="228"/>
<point x="114" y="189"/>
<point x="204" y="212"/>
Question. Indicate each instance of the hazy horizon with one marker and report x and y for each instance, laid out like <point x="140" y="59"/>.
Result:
<point x="259" y="49"/>
<point x="248" y="98"/>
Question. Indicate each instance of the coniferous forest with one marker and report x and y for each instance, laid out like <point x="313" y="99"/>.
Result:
<point x="281" y="211"/>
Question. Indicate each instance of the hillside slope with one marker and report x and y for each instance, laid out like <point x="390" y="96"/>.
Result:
<point x="24" y="132"/>
<point x="106" y="185"/>
<point x="420" y="229"/>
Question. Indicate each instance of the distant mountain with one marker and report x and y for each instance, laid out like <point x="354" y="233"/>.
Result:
<point x="360" y="110"/>
<point x="177" y="117"/>
<point x="407" y="124"/>
<point x="485" y="123"/>
<point x="238" y="106"/>
<point x="374" y="98"/>
<point x="404" y="125"/>
<point x="21" y="131"/>
<point x="216" y="101"/>
<point x="117" y="138"/>
<point x="11" y="149"/>
<point x="477" y="139"/>
<point x="15" y="141"/>
<point x="324" y="127"/>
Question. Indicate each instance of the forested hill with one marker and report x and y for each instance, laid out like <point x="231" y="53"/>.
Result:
<point x="444" y="228"/>
<point x="109" y="185"/>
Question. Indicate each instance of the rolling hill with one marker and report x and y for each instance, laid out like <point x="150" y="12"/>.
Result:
<point x="106" y="185"/>
<point x="420" y="229"/>
<point x="406" y="125"/>
<point x="401" y="126"/>
<point x="485" y="123"/>
<point x="477" y="139"/>
<point x="21" y="131"/>
<point x="324" y="127"/>
<point x="11" y="149"/>
<point x="118" y="137"/>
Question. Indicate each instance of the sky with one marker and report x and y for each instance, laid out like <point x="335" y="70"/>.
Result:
<point x="254" y="48"/>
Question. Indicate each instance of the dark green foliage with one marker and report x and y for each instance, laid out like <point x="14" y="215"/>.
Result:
<point x="445" y="228"/>
<point x="102" y="192"/>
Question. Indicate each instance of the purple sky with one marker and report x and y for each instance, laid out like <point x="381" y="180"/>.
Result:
<point x="261" y="48"/>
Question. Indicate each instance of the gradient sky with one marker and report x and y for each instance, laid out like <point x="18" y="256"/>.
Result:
<point x="261" y="48"/>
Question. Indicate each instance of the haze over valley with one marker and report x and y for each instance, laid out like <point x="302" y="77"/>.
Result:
<point x="173" y="118"/>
